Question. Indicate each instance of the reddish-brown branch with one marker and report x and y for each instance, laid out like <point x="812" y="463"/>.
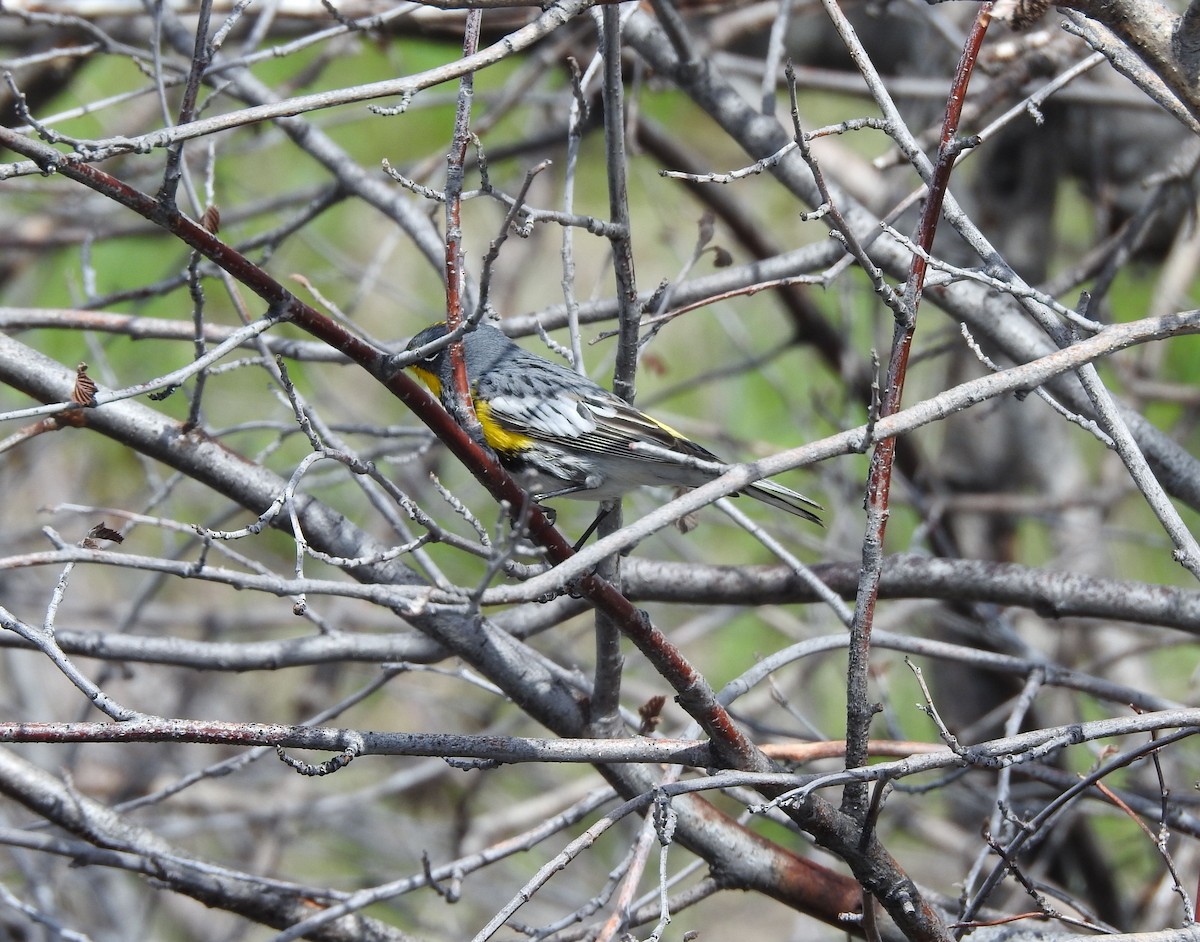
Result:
<point x="455" y="170"/>
<point x="859" y="708"/>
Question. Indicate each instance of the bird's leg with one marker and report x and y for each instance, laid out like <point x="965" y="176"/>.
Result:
<point x="591" y="529"/>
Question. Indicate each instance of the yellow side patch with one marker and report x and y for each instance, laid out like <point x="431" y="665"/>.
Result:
<point x="499" y="439"/>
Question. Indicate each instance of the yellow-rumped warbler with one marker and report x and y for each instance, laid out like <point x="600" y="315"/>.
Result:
<point x="561" y="435"/>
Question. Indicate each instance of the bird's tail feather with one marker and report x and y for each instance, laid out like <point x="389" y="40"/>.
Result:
<point x="785" y="499"/>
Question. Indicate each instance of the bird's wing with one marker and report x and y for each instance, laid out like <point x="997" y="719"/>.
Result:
<point x="620" y="425"/>
<point x="556" y="405"/>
